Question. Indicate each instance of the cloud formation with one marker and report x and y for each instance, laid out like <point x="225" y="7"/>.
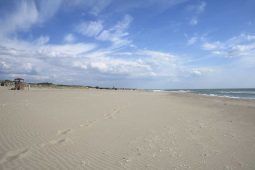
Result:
<point x="238" y="46"/>
<point x="192" y="40"/>
<point x="25" y="15"/>
<point x="69" y="38"/>
<point x="90" y="28"/>
<point x="49" y="61"/>
<point x="118" y="33"/>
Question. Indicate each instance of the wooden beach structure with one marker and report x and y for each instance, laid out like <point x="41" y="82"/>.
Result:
<point x="19" y="84"/>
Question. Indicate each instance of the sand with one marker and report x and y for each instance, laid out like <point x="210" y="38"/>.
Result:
<point x="107" y="129"/>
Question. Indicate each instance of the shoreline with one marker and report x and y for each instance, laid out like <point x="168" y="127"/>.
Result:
<point x="136" y="90"/>
<point x="186" y="94"/>
<point x="200" y="94"/>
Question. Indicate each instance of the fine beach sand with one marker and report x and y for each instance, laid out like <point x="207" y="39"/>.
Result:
<point x="107" y="129"/>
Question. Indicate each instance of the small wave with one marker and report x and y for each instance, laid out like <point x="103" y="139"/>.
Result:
<point x="232" y="97"/>
<point x="227" y="96"/>
<point x="172" y="91"/>
<point x="237" y="92"/>
<point x="180" y="91"/>
<point x="184" y="91"/>
<point x="213" y="95"/>
<point x="158" y="90"/>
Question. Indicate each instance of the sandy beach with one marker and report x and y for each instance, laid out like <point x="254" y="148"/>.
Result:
<point x="108" y="129"/>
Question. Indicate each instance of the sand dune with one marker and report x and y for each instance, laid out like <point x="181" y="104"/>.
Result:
<point x="100" y="129"/>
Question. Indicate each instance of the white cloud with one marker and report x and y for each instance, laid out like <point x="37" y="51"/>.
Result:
<point x="101" y="66"/>
<point x="117" y="34"/>
<point x="99" y="6"/>
<point x="118" y="66"/>
<point x="238" y="46"/>
<point x="40" y="46"/>
<point x="51" y="62"/>
<point x="201" y="71"/>
<point x="157" y="55"/>
<point x="37" y="61"/>
<point x="27" y="66"/>
<point x="124" y="23"/>
<point x="4" y="65"/>
<point x="25" y="15"/>
<point x="65" y="50"/>
<point x="42" y="40"/>
<point x="80" y="63"/>
<point x="212" y="46"/>
<point x="69" y="38"/>
<point x="193" y="21"/>
<point x="192" y="40"/>
<point x="90" y="29"/>
<point x="249" y="37"/>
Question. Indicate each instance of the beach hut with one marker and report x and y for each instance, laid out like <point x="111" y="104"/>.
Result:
<point x="19" y="84"/>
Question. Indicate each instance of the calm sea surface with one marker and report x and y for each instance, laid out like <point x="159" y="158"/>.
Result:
<point x="231" y="93"/>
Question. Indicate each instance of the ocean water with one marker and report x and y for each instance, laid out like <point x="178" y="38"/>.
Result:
<point x="230" y="93"/>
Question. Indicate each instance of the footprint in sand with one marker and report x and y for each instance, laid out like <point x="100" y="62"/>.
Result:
<point x="109" y="116"/>
<point x="64" y="132"/>
<point x="56" y="142"/>
<point x="88" y="123"/>
<point x="13" y="155"/>
<point x="112" y="114"/>
<point x="59" y="141"/>
<point x="125" y="161"/>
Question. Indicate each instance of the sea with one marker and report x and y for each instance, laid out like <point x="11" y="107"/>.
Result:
<point x="244" y="93"/>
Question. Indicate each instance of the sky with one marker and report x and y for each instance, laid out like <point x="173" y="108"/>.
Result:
<point x="155" y="44"/>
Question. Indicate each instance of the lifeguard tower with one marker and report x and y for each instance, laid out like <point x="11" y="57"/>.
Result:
<point x="19" y="84"/>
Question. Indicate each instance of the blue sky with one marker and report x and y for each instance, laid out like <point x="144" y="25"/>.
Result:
<point x="129" y="43"/>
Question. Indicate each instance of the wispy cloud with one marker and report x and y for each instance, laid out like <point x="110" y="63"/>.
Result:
<point x="196" y="10"/>
<point x="69" y="38"/>
<point x="192" y="40"/>
<point x="238" y="46"/>
<point x="90" y="28"/>
<point x="202" y="71"/>
<point x="193" y="21"/>
<point x="212" y="45"/>
<point x="42" y="40"/>
<point x="25" y="15"/>
<point x="118" y="33"/>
